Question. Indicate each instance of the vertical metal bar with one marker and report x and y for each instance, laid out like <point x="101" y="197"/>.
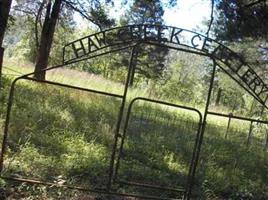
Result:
<point x="1" y="64"/>
<point x="128" y="118"/>
<point x="63" y="55"/>
<point x="250" y="133"/>
<point x="134" y="64"/>
<point x="123" y="140"/>
<point x="120" y="117"/>
<point x="201" y="135"/>
<point x="192" y="165"/>
<point x="266" y="142"/>
<point x="228" y="126"/>
<point x="8" y="112"/>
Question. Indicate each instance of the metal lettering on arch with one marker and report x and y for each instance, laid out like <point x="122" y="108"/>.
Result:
<point x="172" y="37"/>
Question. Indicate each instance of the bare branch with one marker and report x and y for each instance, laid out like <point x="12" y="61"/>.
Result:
<point x="263" y="48"/>
<point x="25" y="11"/>
<point x="254" y="3"/>
<point x="211" y="18"/>
<point x="81" y="11"/>
<point x="37" y="19"/>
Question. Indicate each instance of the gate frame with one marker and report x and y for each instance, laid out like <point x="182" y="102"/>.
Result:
<point x="112" y="170"/>
<point x="192" y="164"/>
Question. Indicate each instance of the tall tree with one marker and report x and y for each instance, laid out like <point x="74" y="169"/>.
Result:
<point x="4" y="13"/>
<point x="51" y="17"/>
<point x="241" y="18"/>
<point x="46" y="13"/>
<point x="242" y="24"/>
<point x="150" y="61"/>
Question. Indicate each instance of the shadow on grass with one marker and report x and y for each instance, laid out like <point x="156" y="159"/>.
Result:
<point x="66" y="136"/>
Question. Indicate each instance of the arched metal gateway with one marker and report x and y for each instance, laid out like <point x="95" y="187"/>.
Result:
<point x="130" y="37"/>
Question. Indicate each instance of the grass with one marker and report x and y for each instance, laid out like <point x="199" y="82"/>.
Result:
<point x="66" y="136"/>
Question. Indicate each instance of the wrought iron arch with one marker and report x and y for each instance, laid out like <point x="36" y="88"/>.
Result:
<point x="129" y="37"/>
<point x="170" y="37"/>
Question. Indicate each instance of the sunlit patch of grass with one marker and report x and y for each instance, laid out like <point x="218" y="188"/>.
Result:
<point x="174" y="164"/>
<point x="14" y="67"/>
<point x="28" y="161"/>
<point x="56" y="132"/>
<point x="81" y="156"/>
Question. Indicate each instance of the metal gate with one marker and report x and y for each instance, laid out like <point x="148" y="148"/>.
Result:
<point x="130" y="37"/>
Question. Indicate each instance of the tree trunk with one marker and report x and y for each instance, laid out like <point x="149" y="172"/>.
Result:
<point x="218" y="98"/>
<point x="47" y="38"/>
<point x="4" y="12"/>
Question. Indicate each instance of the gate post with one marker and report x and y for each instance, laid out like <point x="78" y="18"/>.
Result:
<point x="1" y="64"/>
<point x="120" y="117"/>
<point x="228" y="126"/>
<point x="250" y="133"/>
<point x="266" y="140"/>
<point x="200" y="136"/>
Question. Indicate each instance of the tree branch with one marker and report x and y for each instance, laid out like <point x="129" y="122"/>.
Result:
<point x="37" y="19"/>
<point x="81" y="11"/>
<point x="211" y="18"/>
<point x="254" y="3"/>
<point x="24" y="11"/>
<point x="264" y="48"/>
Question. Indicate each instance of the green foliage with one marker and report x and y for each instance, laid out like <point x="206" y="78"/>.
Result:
<point x="62" y="36"/>
<point x="145" y="11"/>
<point x="150" y="61"/>
<point x="239" y="19"/>
<point x="99" y="16"/>
<point x="184" y="78"/>
<point x="21" y="43"/>
<point x="67" y="138"/>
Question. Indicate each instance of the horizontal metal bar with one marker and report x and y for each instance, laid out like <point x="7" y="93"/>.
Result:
<point x="166" y="45"/>
<point x="151" y="186"/>
<point x="74" y="61"/>
<point x="73" y="87"/>
<point x="125" y="130"/>
<point x="188" y="50"/>
<point x="238" y="117"/>
<point x="88" y="56"/>
<point x="168" y="104"/>
<point x="10" y="69"/>
<point x="85" y="37"/>
<point x="97" y="191"/>
<point x="16" y="75"/>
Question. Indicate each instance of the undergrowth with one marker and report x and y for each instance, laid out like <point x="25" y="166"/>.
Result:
<point x="66" y="137"/>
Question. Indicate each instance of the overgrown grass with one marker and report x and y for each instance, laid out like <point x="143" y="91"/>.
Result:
<point x="66" y="136"/>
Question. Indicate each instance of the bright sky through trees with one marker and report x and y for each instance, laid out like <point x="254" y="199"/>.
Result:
<point x="188" y="14"/>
